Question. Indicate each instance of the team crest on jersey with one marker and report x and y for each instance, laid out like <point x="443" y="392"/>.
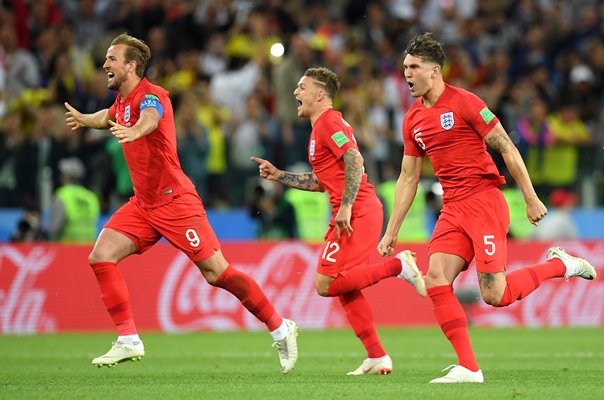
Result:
<point x="127" y="113"/>
<point x="312" y="148"/>
<point x="446" y="120"/>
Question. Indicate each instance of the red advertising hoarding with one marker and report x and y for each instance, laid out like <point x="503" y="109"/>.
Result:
<point x="51" y="288"/>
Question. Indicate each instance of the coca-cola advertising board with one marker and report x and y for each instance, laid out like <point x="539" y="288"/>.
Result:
<point x="51" y="288"/>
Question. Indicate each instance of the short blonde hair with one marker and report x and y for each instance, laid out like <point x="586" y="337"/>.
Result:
<point x="136" y="50"/>
<point x="327" y="78"/>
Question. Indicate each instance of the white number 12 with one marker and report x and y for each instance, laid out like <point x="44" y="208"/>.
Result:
<point x="334" y="247"/>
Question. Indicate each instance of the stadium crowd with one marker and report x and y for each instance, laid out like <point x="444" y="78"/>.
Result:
<point x="231" y="67"/>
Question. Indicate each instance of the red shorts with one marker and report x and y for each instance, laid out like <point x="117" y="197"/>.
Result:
<point x="476" y="226"/>
<point x="183" y="222"/>
<point x="337" y="256"/>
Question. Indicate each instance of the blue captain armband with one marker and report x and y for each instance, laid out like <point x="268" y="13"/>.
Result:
<point x="152" y="101"/>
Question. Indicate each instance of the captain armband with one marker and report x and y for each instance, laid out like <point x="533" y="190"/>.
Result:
<point x="152" y="101"/>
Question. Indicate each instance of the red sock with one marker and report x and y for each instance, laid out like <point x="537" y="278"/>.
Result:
<point x="242" y="286"/>
<point x="452" y="320"/>
<point x="362" y="276"/>
<point x="521" y="282"/>
<point x="360" y="318"/>
<point x="114" y="293"/>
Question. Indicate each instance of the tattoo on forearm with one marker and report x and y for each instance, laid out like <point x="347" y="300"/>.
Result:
<point x="486" y="280"/>
<point x="303" y="181"/>
<point x="353" y="172"/>
<point x="499" y="142"/>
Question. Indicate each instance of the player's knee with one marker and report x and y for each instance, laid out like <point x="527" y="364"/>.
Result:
<point x="434" y="278"/>
<point x="492" y="298"/>
<point x="321" y="289"/>
<point x="95" y="257"/>
<point x="211" y="278"/>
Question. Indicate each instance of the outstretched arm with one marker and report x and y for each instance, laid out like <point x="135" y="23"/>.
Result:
<point x="499" y="140"/>
<point x="76" y="120"/>
<point x="406" y="188"/>
<point x="303" y="181"/>
<point x="147" y="123"/>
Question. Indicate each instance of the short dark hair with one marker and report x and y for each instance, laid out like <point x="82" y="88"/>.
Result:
<point x="427" y="48"/>
<point x="136" y="50"/>
<point x="327" y="78"/>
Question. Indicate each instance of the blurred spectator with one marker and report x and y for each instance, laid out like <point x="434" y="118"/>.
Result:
<point x="22" y="70"/>
<point x="89" y="19"/>
<point x="534" y="138"/>
<point x="312" y="209"/>
<point x="252" y="37"/>
<point x="118" y="188"/>
<point x="415" y="225"/>
<point x="29" y="228"/>
<point x="232" y="87"/>
<point x="75" y="209"/>
<point x="193" y="144"/>
<point x="214" y="59"/>
<point x="37" y="155"/>
<point x="292" y="135"/>
<point x="570" y="132"/>
<point x="248" y="138"/>
<point x="11" y="138"/>
<point x="275" y="213"/>
<point x="582" y="92"/>
<point x="559" y="223"/>
<point x="80" y="61"/>
<point x="379" y="128"/>
<point x="215" y="120"/>
<point x="520" y="227"/>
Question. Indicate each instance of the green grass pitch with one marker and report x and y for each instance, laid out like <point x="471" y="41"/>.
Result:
<point x="517" y="364"/>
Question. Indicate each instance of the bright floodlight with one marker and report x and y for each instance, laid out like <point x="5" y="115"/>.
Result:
<point x="277" y="50"/>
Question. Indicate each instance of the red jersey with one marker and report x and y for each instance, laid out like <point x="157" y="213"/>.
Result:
<point x="152" y="160"/>
<point x="330" y="138"/>
<point x="452" y="134"/>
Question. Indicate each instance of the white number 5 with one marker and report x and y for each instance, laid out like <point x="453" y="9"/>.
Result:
<point x="488" y="242"/>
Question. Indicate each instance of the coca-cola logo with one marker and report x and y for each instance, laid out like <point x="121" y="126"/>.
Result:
<point x="21" y="303"/>
<point x="285" y="274"/>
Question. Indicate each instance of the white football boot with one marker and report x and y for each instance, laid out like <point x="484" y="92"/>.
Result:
<point x="288" y="347"/>
<point x="120" y="352"/>
<point x="377" y="366"/>
<point x="575" y="266"/>
<point x="410" y="272"/>
<point x="459" y="374"/>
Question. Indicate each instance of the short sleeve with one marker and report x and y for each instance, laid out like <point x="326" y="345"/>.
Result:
<point x="411" y="147"/>
<point x="337" y="135"/>
<point x="476" y="113"/>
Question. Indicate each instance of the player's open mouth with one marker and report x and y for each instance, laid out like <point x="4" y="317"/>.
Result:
<point x="110" y="75"/>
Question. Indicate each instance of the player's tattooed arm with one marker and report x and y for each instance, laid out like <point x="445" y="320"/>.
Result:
<point x="353" y="173"/>
<point x="304" y="181"/>
<point x="499" y="140"/>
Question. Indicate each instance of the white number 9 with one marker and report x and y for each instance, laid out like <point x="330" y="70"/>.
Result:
<point x="192" y="237"/>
